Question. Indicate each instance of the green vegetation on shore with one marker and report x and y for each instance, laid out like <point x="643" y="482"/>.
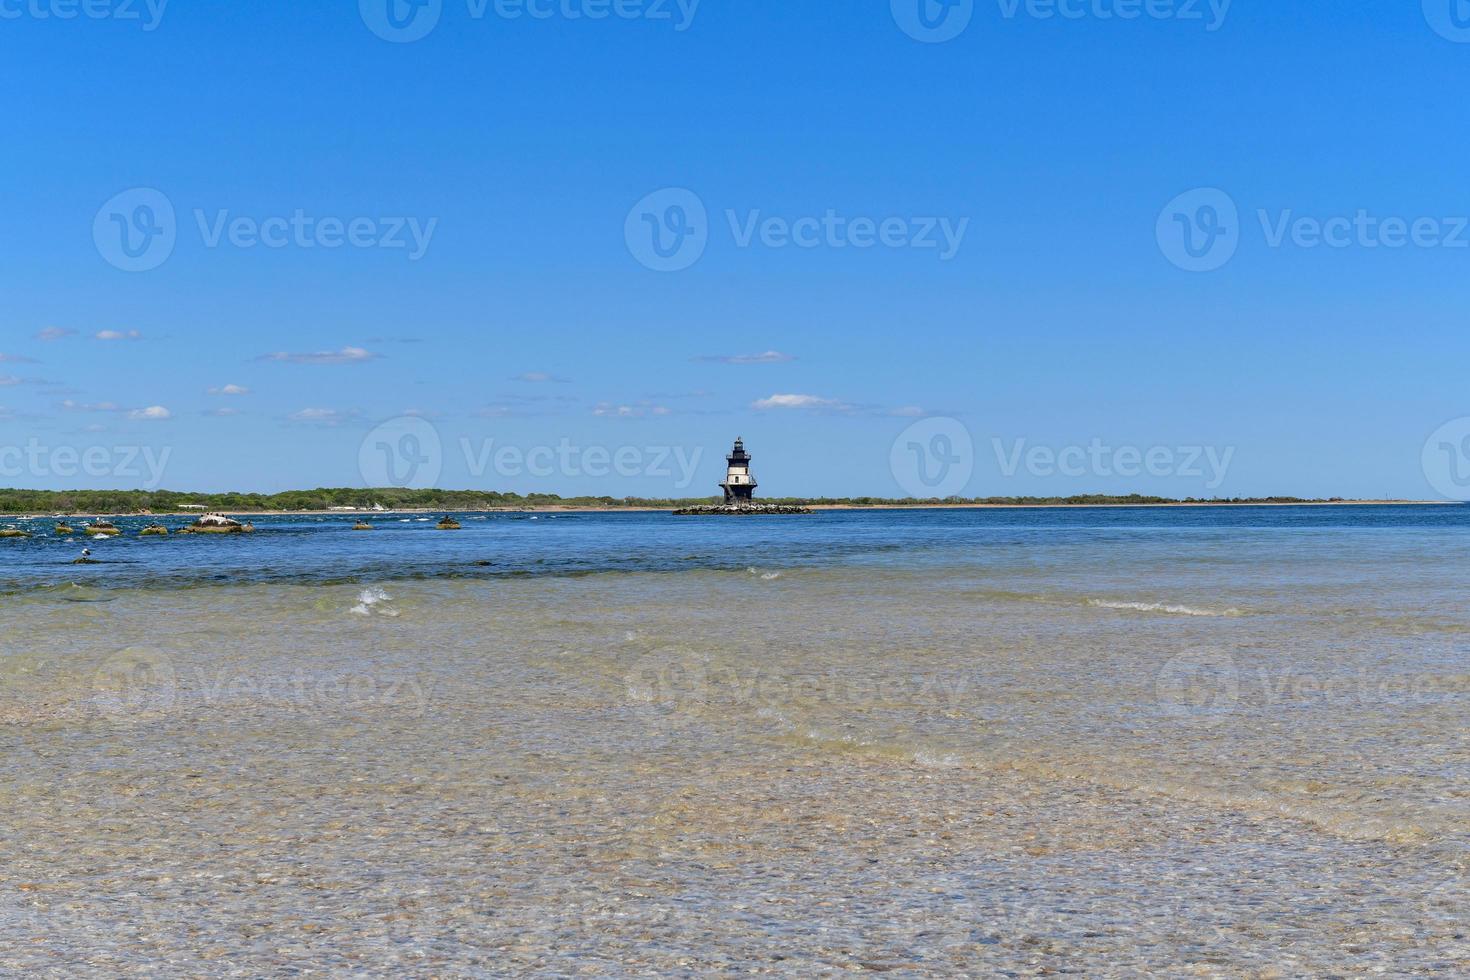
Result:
<point x="168" y="501"/>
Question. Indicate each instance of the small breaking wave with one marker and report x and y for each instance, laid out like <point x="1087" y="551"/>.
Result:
<point x="1160" y="607"/>
<point x="374" y="601"/>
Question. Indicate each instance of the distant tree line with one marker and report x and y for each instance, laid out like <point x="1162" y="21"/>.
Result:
<point x="392" y="498"/>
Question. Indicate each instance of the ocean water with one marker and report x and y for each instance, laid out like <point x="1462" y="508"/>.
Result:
<point x="1109" y="741"/>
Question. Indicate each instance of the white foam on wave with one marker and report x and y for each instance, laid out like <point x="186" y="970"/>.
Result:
<point x="765" y="576"/>
<point x="1161" y="607"/>
<point x="372" y="601"/>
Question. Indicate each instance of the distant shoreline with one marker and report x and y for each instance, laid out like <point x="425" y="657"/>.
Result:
<point x="587" y="509"/>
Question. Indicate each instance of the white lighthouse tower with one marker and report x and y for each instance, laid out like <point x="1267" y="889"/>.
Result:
<point x="739" y="485"/>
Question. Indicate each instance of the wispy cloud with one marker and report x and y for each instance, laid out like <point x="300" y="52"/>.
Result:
<point x="153" y="413"/>
<point x="638" y="411"/>
<point x="118" y="335"/>
<point x="9" y="380"/>
<point x="766" y="357"/>
<point x="230" y="390"/>
<point x="347" y="355"/>
<point x="908" y="412"/>
<point x="221" y="413"/>
<point x="799" y="401"/>
<point x="150" y="413"/>
<point x="323" y="416"/>
<point x="54" y="333"/>
<point x="15" y="359"/>
<point x="540" y="378"/>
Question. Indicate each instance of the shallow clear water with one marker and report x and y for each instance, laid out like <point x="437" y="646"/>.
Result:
<point x="1110" y="741"/>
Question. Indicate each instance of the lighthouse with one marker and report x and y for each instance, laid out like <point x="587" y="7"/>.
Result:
<point x="739" y="485"/>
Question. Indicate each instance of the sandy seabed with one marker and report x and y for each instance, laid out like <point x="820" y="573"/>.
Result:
<point x="776" y="770"/>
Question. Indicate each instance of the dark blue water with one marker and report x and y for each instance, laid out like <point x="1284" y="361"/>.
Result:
<point x="326" y="549"/>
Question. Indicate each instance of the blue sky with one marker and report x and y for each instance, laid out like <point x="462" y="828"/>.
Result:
<point x="528" y="152"/>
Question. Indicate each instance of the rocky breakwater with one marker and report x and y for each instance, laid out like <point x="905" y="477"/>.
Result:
<point x="747" y="510"/>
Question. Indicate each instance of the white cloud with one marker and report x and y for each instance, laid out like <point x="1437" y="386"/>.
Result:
<point x="609" y="410"/>
<point x="347" y="355"/>
<point x="71" y="406"/>
<point x="908" y="412"/>
<point x="54" y="333"/>
<point x="765" y="357"/>
<point x="796" y="401"/>
<point x="322" y="416"/>
<point x="221" y="413"/>
<point x="118" y="335"/>
<point x="8" y="380"/>
<point x="15" y="359"/>
<point x="230" y="390"/>
<point x="540" y="378"/>
<point x="153" y="413"/>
